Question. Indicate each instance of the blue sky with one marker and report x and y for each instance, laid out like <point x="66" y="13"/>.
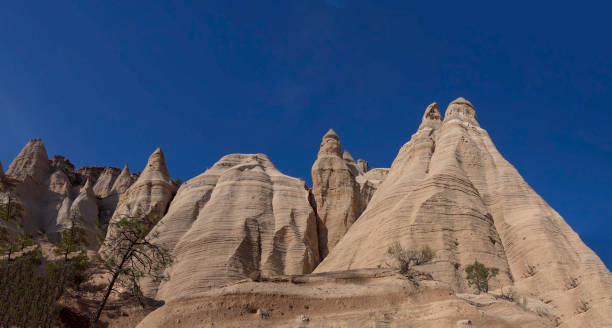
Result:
<point x="106" y="82"/>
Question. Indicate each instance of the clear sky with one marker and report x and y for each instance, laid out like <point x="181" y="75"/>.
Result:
<point x="106" y="82"/>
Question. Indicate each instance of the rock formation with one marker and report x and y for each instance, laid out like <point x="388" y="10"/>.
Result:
<point x="336" y="192"/>
<point x="123" y="181"/>
<point x="240" y="216"/>
<point x="152" y="191"/>
<point x="451" y="189"/>
<point x="104" y="184"/>
<point x="31" y="162"/>
<point x="50" y="190"/>
<point x="86" y="207"/>
<point x="369" y="183"/>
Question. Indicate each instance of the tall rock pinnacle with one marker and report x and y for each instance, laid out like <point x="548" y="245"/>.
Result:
<point x="336" y="192"/>
<point x="32" y="161"/>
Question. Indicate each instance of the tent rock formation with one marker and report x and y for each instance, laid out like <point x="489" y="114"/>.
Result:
<point x="240" y="216"/>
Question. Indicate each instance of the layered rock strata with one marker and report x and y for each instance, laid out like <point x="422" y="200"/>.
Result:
<point x="451" y="189"/>
<point x="240" y="217"/>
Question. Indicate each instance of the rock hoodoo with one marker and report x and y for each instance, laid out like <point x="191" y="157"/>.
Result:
<point x="451" y="189"/>
<point x="240" y="216"/>
<point x="336" y="192"/>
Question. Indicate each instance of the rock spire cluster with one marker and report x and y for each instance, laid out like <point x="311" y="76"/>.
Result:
<point x="448" y="188"/>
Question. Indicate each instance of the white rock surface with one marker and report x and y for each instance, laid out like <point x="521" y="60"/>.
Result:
<point x="238" y="217"/>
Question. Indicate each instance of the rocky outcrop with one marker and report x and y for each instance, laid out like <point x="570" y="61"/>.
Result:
<point x="31" y="162"/>
<point x="336" y="192"/>
<point x="51" y="190"/>
<point x="86" y="208"/>
<point x="451" y="189"/>
<point x="369" y="183"/>
<point x="104" y="185"/>
<point x="151" y="193"/>
<point x="123" y="181"/>
<point x="239" y="217"/>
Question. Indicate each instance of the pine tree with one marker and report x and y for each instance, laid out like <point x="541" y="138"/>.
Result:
<point x="129" y="253"/>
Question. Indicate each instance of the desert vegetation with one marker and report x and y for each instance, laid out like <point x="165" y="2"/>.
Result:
<point x="32" y="285"/>
<point x="478" y="275"/>
<point x="406" y="258"/>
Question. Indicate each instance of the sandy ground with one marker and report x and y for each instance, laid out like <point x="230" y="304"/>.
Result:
<point x="360" y="298"/>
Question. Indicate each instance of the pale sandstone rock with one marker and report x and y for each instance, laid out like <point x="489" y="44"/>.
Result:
<point x="104" y="185"/>
<point x="336" y="193"/>
<point x="151" y="193"/>
<point x="32" y="161"/>
<point x="362" y="166"/>
<point x="369" y="183"/>
<point x="59" y="183"/>
<point x="255" y="219"/>
<point x="86" y="208"/>
<point x="124" y="181"/>
<point x="450" y="188"/>
<point x="50" y="189"/>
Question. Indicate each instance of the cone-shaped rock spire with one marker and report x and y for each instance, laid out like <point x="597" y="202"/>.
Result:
<point x="32" y="161"/>
<point x="156" y="168"/>
<point x="461" y="109"/>
<point x="335" y="191"/>
<point x="123" y="181"/>
<point x="152" y="191"/>
<point x="432" y="117"/>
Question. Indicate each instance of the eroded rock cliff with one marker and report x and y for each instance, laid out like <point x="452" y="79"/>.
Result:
<point x="239" y="217"/>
